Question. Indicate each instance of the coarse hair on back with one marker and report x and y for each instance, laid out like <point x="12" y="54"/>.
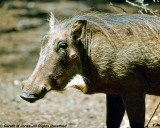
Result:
<point x="117" y="26"/>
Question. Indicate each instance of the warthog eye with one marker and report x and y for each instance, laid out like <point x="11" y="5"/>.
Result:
<point x="62" y="44"/>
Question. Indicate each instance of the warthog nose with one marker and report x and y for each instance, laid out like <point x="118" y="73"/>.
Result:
<point x="28" y="97"/>
<point x="33" y="97"/>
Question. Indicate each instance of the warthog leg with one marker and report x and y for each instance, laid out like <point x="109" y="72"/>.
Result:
<point x="134" y="102"/>
<point x="115" y="111"/>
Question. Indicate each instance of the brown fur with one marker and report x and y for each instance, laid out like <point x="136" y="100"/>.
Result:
<point x="115" y="54"/>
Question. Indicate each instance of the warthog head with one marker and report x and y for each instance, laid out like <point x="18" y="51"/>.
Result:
<point x="59" y="60"/>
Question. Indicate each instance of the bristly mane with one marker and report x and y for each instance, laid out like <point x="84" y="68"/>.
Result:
<point x="116" y="27"/>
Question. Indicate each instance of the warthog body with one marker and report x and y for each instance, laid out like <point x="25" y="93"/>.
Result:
<point x="118" y="55"/>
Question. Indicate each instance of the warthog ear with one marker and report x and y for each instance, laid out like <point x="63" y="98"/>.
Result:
<point x="51" y="22"/>
<point x="78" y="29"/>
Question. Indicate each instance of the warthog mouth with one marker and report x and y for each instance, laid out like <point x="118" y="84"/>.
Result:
<point x="77" y="82"/>
<point x="30" y="97"/>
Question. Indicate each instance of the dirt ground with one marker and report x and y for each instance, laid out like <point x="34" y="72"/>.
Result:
<point x="22" y="26"/>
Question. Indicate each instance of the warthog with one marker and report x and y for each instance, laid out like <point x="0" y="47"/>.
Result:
<point x="118" y="55"/>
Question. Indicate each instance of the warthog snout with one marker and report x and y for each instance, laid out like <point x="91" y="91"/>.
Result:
<point x="28" y="97"/>
<point x="32" y="96"/>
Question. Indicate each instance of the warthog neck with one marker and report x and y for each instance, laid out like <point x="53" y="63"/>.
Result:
<point x="85" y="53"/>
